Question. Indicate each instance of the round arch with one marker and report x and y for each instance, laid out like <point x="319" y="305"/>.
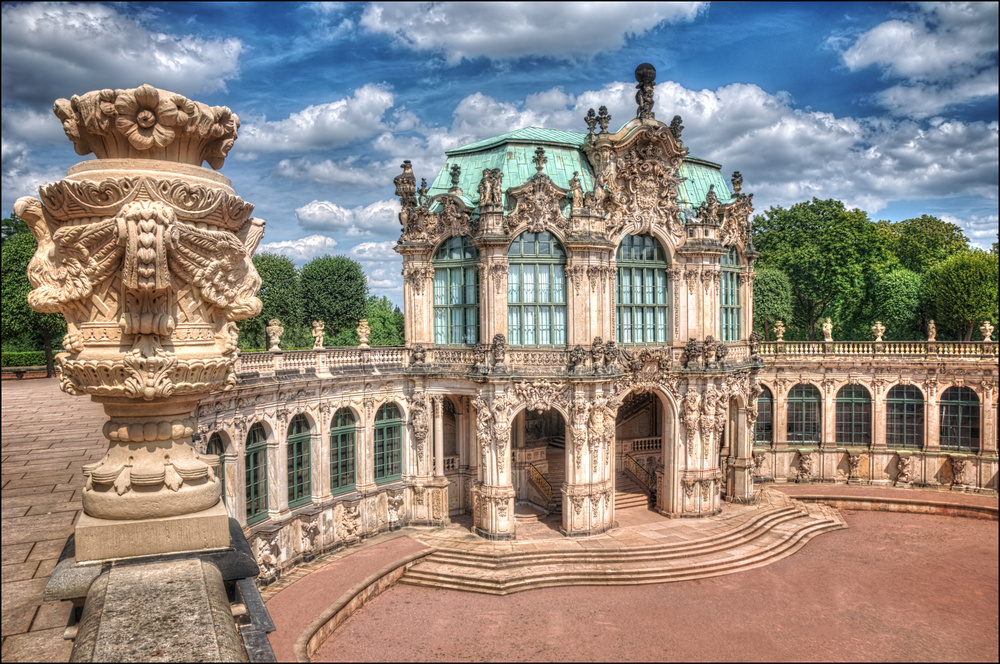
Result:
<point x="666" y="240"/>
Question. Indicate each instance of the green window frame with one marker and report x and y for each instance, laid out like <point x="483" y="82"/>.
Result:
<point x="388" y="432"/>
<point x="255" y="474"/>
<point x="730" y="296"/>
<point x="642" y="294"/>
<point x="216" y="447"/>
<point x="343" y="437"/>
<point x="763" y="428"/>
<point x="960" y="413"/>
<point x="854" y="416"/>
<point x="456" y="293"/>
<point x="536" y="291"/>
<point x="904" y="417"/>
<point x="804" y="411"/>
<point x="297" y="449"/>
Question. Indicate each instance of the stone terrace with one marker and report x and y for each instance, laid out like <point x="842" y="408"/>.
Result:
<point x="47" y="437"/>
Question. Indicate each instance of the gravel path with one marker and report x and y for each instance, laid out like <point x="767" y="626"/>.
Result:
<point x="892" y="587"/>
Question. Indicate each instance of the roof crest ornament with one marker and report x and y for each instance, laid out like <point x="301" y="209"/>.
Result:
<point x="603" y="118"/>
<point x="539" y="160"/>
<point x="591" y="120"/>
<point x="645" y="75"/>
<point x="456" y="174"/>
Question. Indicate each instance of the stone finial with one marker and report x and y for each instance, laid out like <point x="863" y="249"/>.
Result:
<point x="878" y="329"/>
<point x="456" y="175"/>
<point x="406" y="185"/>
<point x="317" y="333"/>
<point x="645" y="75"/>
<point x="779" y="331"/>
<point x="828" y="330"/>
<point x="987" y="329"/>
<point x="148" y="123"/>
<point x="737" y="181"/>
<point x="591" y="120"/>
<point x="363" y="332"/>
<point x="539" y="160"/>
<point x="422" y="191"/>
<point x="603" y="118"/>
<point x="676" y="128"/>
<point x="931" y="330"/>
<point x="274" y="332"/>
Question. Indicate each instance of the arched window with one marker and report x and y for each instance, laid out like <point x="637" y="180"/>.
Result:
<point x="536" y="291"/>
<point x="216" y="447"/>
<point x="729" y="296"/>
<point x="256" y="473"/>
<point x="298" y="461"/>
<point x="904" y="417"/>
<point x="641" y="294"/>
<point x="960" y="420"/>
<point x="456" y="293"/>
<point x="803" y="414"/>
<point x="854" y="416"/>
<point x="388" y="443"/>
<point x="763" y="428"/>
<point x="342" y="445"/>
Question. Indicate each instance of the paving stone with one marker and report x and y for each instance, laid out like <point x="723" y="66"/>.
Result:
<point x="18" y="572"/>
<point x="16" y="553"/>
<point x="19" y="603"/>
<point x="43" y="646"/>
<point x="46" y="549"/>
<point x="51" y="615"/>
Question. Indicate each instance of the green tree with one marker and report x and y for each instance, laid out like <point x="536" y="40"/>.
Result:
<point x="11" y="226"/>
<point x="20" y="321"/>
<point x="335" y="291"/>
<point x="281" y="294"/>
<point x="385" y="322"/>
<point x="923" y="242"/>
<point x="961" y="292"/>
<point x="772" y="299"/>
<point x="896" y="297"/>
<point x="824" y="249"/>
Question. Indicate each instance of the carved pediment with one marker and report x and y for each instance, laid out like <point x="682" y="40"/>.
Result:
<point x="537" y="204"/>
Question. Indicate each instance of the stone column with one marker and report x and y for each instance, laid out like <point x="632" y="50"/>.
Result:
<point x="493" y="495"/>
<point x="438" y="436"/>
<point x="147" y="254"/>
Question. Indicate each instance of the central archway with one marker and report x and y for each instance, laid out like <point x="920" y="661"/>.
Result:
<point x="646" y="441"/>
<point x="540" y="471"/>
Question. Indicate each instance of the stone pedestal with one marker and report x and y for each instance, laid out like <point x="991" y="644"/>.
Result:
<point x="493" y="512"/>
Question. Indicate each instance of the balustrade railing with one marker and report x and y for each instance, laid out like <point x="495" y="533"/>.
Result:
<point x="652" y="444"/>
<point x="322" y="359"/>
<point x="540" y="482"/>
<point x="450" y="463"/>
<point x="638" y="473"/>
<point x="964" y="349"/>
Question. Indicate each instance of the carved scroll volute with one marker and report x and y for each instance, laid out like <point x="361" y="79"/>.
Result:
<point x="147" y="255"/>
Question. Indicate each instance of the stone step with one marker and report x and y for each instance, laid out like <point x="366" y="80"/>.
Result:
<point x="779" y="542"/>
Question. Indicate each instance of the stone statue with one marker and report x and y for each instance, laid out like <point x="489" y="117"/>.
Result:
<point x="878" y="329"/>
<point x="754" y="341"/>
<point x="603" y="118"/>
<point x="931" y="330"/>
<point x="317" y="333"/>
<point x="957" y="472"/>
<point x="479" y="358"/>
<point x="591" y="120"/>
<point x="692" y="354"/>
<point x="274" y="332"/>
<point x="779" y="331"/>
<point x="597" y="354"/>
<point x="485" y="188"/>
<point x="578" y="359"/>
<point x="363" y="332"/>
<point x="499" y="353"/>
<point x="853" y="462"/>
<point x="645" y="75"/>
<point x="903" y="469"/>
<point x="710" y="350"/>
<point x="576" y="191"/>
<point x="987" y="329"/>
<point x="828" y="330"/>
<point x="418" y="355"/>
<point x="805" y="467"/>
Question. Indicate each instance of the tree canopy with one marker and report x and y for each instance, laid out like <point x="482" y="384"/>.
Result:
<point x="923" y="242"/>
<point x="772" y="299"/>
<point x="335" y="291"/>
<point x="961" y="292"/>
<point x="281" y="295"/>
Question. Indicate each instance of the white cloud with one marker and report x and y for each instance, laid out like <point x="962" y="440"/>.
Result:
<point x="326" y="172"/>
<point x="945" y="52"/>
<point x="326" y="125"/>
<point x="356" y="222"/>
<point x="84" y="46"/>
<point x="981" y="231"/>
<point x="515" y="29"/>
<point x="374" y="252"/>
<point x="21" y="177"/>
<point x="303" y="249"/>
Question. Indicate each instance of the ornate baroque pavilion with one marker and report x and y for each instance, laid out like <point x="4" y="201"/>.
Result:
<point x="578" y="329"/>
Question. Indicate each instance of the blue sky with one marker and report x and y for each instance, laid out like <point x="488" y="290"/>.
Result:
<point x="890" y="107"/>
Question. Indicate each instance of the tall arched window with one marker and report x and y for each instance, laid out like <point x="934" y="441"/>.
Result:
<point x="729" y="296"/>
<point x="854" y="416"/>
<point x="536" y="291"/>
<point x="803" y="414"/>
<point x="342" y="445"/>
<point x="388" y="443"/>
<point x="216" y="447"/>
<point x="904" y="417"/>
<point x="763" y="428"/>
<point x="456" y="293"/>
<point x="960" y="420"/>
<point x="298" y="461"/>
<point x="641" y="294"/>
<point x="256" y="473"/>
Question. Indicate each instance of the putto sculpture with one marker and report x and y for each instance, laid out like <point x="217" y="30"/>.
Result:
<point x="317" y="333"/>
<point x="147" y="255"/>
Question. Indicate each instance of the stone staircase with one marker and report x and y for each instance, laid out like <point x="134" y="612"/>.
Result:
<point x="759" y="537"/>
<point x="628" y="493"/>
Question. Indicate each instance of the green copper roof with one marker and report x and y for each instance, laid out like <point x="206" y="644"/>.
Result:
<point x="513" y="152"/>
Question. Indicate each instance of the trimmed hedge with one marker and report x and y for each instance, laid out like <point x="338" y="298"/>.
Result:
<point x="31" y="358"/>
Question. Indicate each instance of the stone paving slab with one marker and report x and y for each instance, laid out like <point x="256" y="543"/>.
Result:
<point x="47" y="436"/>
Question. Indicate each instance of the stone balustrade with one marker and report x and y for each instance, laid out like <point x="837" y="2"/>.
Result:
<point x="941" y="349"/>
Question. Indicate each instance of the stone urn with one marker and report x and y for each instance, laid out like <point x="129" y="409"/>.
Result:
<point x="147" y="255"/>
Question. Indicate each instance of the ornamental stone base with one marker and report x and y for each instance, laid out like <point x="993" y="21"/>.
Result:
<point x="493" y="512"/>
<point x="587" y="509"/>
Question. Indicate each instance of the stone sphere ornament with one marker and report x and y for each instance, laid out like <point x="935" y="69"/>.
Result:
<point x="645" y="73"/>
